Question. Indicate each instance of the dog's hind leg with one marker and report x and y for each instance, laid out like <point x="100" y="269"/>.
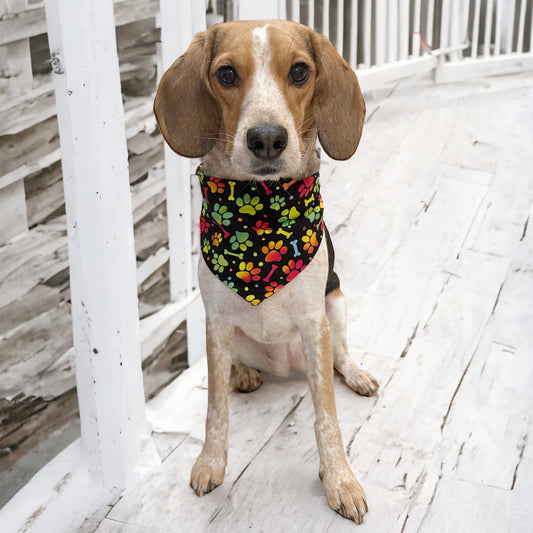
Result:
<point x="357" y="379"/>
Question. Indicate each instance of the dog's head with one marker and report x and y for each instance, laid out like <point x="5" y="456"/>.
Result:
<point x="256" y="94"/>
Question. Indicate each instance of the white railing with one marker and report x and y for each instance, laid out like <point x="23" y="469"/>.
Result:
<point x="495" y="35"/>
<point x="383" y="40"/>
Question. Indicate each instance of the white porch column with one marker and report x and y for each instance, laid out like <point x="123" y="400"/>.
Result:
<point x="100" y="238"/>
<point x="180" y="21"/>
<point x="254" y="10"/>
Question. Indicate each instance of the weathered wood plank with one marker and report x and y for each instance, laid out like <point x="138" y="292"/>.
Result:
<point x="24" y="111"/>
<point x="39" y="241"/>
<point x="39" y="141"/>
<point x="19" y="24"/>
<point x="45" y="203"/>
<point x="33" y="303"/>
<point x="31" y="349"/>
<point x="253" y="418"/>
<point x="285" y="472"/>
<point x="34" y="270"/>
<point x="16" y="74"/>
<point x="13" y="208"/>
<point x="27" y="420"/>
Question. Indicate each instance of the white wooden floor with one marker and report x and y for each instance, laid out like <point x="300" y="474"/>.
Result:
<point x="430" y="223"/>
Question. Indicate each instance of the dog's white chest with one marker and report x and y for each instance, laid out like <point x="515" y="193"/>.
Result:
<point x="268" y="335"/>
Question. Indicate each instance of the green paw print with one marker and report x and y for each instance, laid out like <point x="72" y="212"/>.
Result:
<point x="277" y="203"/>
<point x="219" y="262"/>
<point x="221" y="215"/>
<point x="288" y="216"/>
<point x="313" y="213"/>
<point x="206" y="246"/>
<point x="249" y="205"/>
<point x="240" y="241"/>
<point x="231" y="285"/>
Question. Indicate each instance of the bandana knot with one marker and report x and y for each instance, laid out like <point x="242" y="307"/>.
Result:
<point x="257" y="236"/>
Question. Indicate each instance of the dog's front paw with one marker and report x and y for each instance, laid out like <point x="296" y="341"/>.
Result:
<point x="207" y="474"/>
<point x="345" y="495"/>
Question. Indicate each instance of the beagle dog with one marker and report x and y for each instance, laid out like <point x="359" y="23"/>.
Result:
<point x="250" y="98"/>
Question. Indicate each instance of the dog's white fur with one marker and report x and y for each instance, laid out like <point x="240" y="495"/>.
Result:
<point x="264" y="104"/>
<point x="299" y="327"/>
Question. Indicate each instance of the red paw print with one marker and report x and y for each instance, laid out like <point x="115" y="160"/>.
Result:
<point x="293" y="268"/>
<point x="274" y="251"/>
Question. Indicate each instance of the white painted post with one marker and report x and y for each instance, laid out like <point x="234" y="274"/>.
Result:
<point x="354" y="33"/>
<point x="521" y="24"/>
<point x="531" y="33"/>
<point x="455" y="30"/>
<point x="509" y="27"/>
<point x="430" y="15"/>
<point x="295" y="10"/>
<point x="416" y="30"/>
<point x="180" y="21"/>
<point x="392" y="32"/>
<point x="339" y="26"/>
<point x="445" y="25"/>
<point x="196" y="340"/>
<point x="253" y="10"/>
<point x="325" y="18"/>
<point x="404" y="30"/>
<point x="367" y="34"/>
<point x="475" y="29"/>
<point x="381" y="31"/>
<point x="311" y="14"/>
<point x="103" y="284"/>
<point x="497" y="40"/>
<point x="488" y="29"/>
<point x="176" y="35"/>
<point x="282" y="10"/>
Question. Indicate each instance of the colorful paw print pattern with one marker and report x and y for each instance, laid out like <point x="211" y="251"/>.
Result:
<point x="258" y="236"/>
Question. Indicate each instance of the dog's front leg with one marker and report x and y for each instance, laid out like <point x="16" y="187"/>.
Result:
<point x="208" y="471"/>
<point x="344" y="493"/>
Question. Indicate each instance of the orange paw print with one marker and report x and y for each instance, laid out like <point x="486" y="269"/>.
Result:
<point x="216" y="185"/>
<point x="310" y="240"/>
<point x="262" y="227"/>
<point x="274" y="251"/>
<point x="248" y="273"/>
<point x="252" y="299"/>
<point x="272" y="288"/>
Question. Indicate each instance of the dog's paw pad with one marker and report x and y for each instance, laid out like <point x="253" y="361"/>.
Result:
<point x="246" y="379"/>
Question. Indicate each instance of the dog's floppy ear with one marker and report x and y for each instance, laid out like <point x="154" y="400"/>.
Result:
<point x="339" y="107"/>
<point x="186" y="113"/>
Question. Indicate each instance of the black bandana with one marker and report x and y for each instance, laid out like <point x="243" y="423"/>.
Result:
<point x="257" y="236"/>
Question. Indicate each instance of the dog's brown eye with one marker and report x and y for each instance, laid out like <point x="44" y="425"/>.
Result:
<point x="299" y="73"/>
<point x="227" y="76"/>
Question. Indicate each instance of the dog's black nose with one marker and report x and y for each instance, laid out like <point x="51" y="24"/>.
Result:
<point x="267" y="141"/>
